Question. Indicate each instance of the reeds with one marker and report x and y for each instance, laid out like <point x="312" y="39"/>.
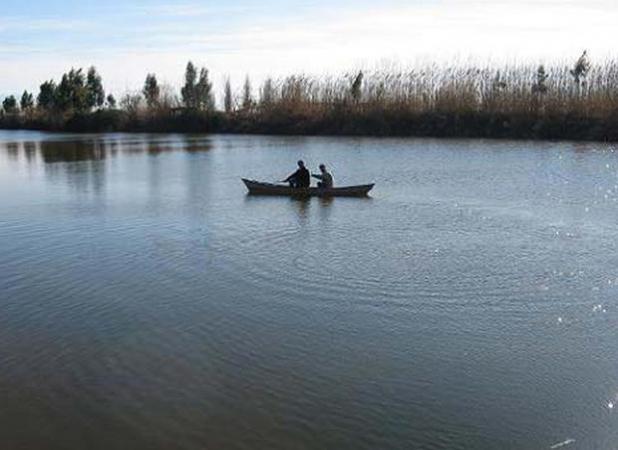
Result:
<point x="516" y="100"/>
<point x="561" y="101"/>
<point x="434" y="89"/>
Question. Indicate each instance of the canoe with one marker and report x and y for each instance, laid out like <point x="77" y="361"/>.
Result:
<point x="259" y="188"/>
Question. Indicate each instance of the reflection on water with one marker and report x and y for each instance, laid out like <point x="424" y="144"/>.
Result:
<point x="70" y="148"/>
<point x="302" y="205"/>
<point x="55" y="151"/>
<point x="147" y="302"/>
<point x="12" y="149"/>
<point x="71" y="151"/>
<point x="30" y="151"/>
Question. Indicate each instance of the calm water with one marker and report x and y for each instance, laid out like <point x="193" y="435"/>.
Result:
<point x="147" y="303"/>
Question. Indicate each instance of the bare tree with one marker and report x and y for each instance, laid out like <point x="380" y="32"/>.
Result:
<point x="228" y="100"/>
<point x="247" y="96"/>
<point x="267" y="96"/>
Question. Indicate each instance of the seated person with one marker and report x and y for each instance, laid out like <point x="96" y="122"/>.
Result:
<point x="325" y="176"/>
<point x="300" y="178"/>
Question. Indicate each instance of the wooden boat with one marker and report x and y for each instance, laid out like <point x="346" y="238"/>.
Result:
<point x="259" y="188"/>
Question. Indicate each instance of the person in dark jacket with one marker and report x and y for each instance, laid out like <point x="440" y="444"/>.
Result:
<point x="301" y="178"/>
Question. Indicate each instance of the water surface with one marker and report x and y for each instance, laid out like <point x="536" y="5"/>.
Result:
<point x="147" y="303"/>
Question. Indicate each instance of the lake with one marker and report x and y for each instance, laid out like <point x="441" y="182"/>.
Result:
<point x="146" y="302"/>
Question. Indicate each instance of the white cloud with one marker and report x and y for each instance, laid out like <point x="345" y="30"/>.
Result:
<point x="325" y="40"/>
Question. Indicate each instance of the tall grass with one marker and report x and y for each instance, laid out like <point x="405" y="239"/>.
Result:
<point x="508" y="89"/>
<point x="561" y="101"/>
<point x="514" y="100"/>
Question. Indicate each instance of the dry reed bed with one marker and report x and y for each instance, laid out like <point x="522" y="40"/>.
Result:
<point x="510" y="90"/>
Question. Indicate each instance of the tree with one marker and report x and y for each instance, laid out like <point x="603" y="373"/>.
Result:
<point x="197" y="92"/>
<point x="188" y="90"/>
<point x="267" y="96"/>
<point x="27" y="101"/>
<point x="228" y="100"/>
<point x="247" y="96"/>
<point x="355" y="89"/>
<point x="131" y="103"/>
<point x="111" y="101"/>
<point x="541" y="77"/>
<point x="151" y="91"/>
<point x="167" y="97"/>
<point x="47" y="94"/>
<point x="204" y="98"/>
<point x="582" y="66"/>
<point x="10" y="104"/>
<point x="71" y="93"/>
<point x="95" y="96"/>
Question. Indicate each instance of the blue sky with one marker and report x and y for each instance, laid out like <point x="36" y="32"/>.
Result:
<point x="126" y="39"/>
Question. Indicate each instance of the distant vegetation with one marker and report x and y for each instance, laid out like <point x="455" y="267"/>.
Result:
<point x="577" y="101"/>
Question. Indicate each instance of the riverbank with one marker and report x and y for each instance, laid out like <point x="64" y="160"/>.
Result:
<point x="561" y="102"/>
<point x="368" y="122"/>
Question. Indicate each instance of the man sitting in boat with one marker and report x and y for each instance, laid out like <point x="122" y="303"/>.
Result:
<point x="325" y="177"/>
<point x="300" y="178"/>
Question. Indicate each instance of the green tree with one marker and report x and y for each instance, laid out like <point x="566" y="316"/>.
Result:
<point x="71" y="93"/>
<point x="188" y="90"/>
<point x="27" y="102"/>
<point x="151" y="91"/>
<point x="9" y="104"/>
<point x="95" y="96"/>
<point x="47" y="94"/>
<point x="197" y="92"/>
<point x="228" y="99"/>
<point x="204" y="98"/>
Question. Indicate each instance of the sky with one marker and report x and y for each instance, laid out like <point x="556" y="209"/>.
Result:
<point x="126" y="39"/>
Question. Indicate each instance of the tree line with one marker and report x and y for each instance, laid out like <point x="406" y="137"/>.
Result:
<point x="578" y="101"/>
<point x="82" y="92"/>
<point x="77" y="91"/>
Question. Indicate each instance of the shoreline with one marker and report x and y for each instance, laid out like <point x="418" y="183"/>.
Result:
<point x="566" y="127"/>
<point x="529" y="102"/>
